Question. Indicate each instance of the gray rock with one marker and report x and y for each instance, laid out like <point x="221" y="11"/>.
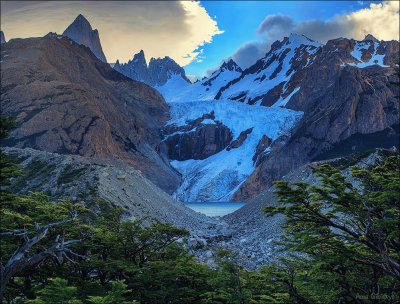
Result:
<point x="81" y="32"/>
<point x="2" y="37"/>
<point x="157" y="73"/>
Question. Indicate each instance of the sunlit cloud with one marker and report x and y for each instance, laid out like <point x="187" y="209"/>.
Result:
<point x="160" y="28"/>
<point x="379" y="19"/>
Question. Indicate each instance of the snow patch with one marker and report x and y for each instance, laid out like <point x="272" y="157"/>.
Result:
<point x="179" y="90"/>
<point x="208" y="122"/>
<point x="283" y="101"/>
<point x="249" y="84"/>
<point x="375" y="58"/>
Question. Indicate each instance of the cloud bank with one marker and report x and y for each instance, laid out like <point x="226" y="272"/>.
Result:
<point x="381" y="20"/>
<point x="160" y="28"/>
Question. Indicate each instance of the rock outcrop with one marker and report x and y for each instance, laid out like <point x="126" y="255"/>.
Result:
<point x="239" y="141"/>
<point x="261" y="149"/>
<point x="81" y="32"/>
<point x="199" y="143"/>
<point x="69" y="102"/>
<point x="162" y="69"/>
<point x="2" y="37"/>
<point x="135" y="69"/>
<point x="156" y="74"/>
<point x="198" y="139"/>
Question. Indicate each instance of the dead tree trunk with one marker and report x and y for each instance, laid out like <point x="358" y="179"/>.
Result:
<point x="20" y="260"/>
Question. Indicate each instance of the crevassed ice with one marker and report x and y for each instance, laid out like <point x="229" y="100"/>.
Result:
<point x="217" y="177"/>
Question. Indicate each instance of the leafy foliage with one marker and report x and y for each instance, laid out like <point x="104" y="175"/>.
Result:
<point x="345" y="230"/>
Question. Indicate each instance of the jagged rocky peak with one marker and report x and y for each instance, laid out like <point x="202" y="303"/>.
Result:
<point x="81" y="32"/>
<point x="139" y="57"/>
<point x="136" y="68"/>
<point x="2" y="37"/>
<point x="165" y="63"/>
<point x="82" y="23"/>
<point x="163" y="69"/>
<point x="157" y="73"/>
<point x="230" y="66"/>
<point x="295" y="40"/>
<point x="370" y="37"/>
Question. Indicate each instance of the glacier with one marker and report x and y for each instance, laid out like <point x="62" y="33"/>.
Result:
<point x="219" y="176"/>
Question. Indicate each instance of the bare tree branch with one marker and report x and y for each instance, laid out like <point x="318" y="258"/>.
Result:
<point x="21" y="259"/>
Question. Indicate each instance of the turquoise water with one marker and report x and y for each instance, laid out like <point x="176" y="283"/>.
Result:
<point x="215" y="208"/>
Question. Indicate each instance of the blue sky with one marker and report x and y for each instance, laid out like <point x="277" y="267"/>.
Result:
<point x="200" y="35"/>
<point x="239" y="20"/>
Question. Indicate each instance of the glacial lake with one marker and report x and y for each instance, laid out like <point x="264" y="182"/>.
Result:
<point x="215" y="208"/>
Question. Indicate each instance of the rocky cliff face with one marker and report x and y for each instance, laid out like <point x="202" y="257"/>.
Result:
<point x="198" y="139"/>
<point x="2" y="37"/>
<point x="135" y="69"/>
<point x="156" y="74"/>
<point x="162" y="69"/>
<point x="81" y="32"/>
<point x="350" y="99"/>
<point x="69" y="102"/>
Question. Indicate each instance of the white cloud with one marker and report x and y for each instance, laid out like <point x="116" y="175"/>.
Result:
<point x="381" y="20"/>
<point x="160" y="28"/>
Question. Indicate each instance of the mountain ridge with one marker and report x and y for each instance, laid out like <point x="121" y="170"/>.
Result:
<point x="309" y="78"/>
<point x="302" y="100"/>
<point x="67" y="101"/>
<point x="81" y="32"/>
<point x="156" y="73"/>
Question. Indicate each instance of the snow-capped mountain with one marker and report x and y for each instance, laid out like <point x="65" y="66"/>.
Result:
<point x="349" y="97"/>
<point x="2" y="37"/>
<point x="369" y="52"/>
<point x="227" y="149"/>
<point x="228" y="135"/>
<point x="157" y="73"/>
<point x="264" y="83"/>
<point x="215" y="145"/>
<point x="206" y="89"/>
<point x="81" y="32"/>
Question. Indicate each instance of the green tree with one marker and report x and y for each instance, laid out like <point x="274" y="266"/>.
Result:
<point x="32" y="228"/>
<point x="57" y="292"/>
<point x="344" y="231"/>
<point x="117" y="295"/>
